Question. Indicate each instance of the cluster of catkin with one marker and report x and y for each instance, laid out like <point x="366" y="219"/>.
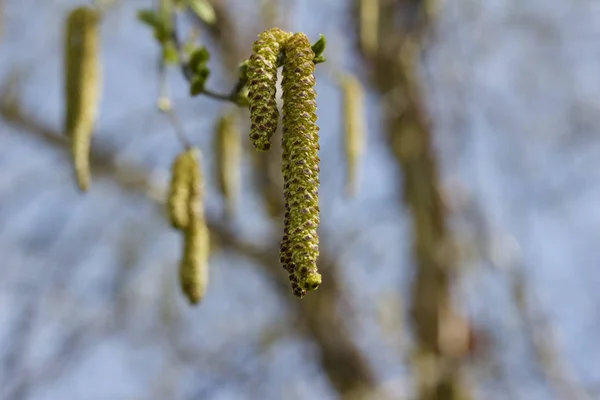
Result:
<point x="300" y="143"/>
<point x="186" y="212"/>
<point x="82" y="86"/>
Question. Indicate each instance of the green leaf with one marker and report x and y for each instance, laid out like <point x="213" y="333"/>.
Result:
<point x="243" y="70"/>
<point x="199" y="58"/>
<point x="153" y="20"/>
<point x="199" y="81"/>
<point x="319" y="46"/>
<point x="149" y="18"/>
<point x="319" y="60"/>
<point x="204" y="10"/>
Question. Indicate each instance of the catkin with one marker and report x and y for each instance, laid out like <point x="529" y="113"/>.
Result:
<point x="354" y="130"/>
<point x="82" y="86"/>
<point x="186" y="211"/>
<point x="185" y="189"/>
<point x="193" y="269"/>
<point x="262" y="86"/>
<point x="228" y="152"/>
<point x="300" y="143"/>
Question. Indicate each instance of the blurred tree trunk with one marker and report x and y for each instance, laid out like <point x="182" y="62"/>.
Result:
<point x="441" y="334"/>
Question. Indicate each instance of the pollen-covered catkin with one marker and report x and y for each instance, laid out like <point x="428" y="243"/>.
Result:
<point x="185" y="189"/>
<point x="193" y="269"/>
<point x="262" y="86"/>
<point x="354" y="131"/>
<point x="228" y="150"/>
<point x="82" y="86"/>
<point x="300" y="142"/>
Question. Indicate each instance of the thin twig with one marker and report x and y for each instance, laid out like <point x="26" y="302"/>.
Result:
<point x="166" y="106"/>
<point x="189" y="74"/>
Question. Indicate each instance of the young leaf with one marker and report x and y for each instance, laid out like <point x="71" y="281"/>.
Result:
<point x="319" y="46"/>
<point x="149" y="18"/>
<point x="204" y="10"/>
<point x="199" y="82"/>
<point x="199" y="58"/>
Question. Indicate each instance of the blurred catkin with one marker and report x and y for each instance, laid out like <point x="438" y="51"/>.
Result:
<point x="300" y="143"/>
<point x="193" y="269"/>
<point x="354" y="130"/>
<point x="262" y="86"/>
<point x="186" y="211"/>
<point x="228" y="150"/>
<point x="185" y="189"/>
<point x="369" y="26"/>
<point x="82" y="86"/>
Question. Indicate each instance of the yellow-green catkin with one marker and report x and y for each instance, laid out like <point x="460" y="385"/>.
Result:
<point x="369" y="25"/>
<point x="300" y="143"/>
<point x="262" y="86"/>
<point x="82" y="86"/>
<point x="228" y="149"/>
<point x="354" y="131"/>
<point x="186" y="211"/>
<point x="185" y="189"/>
<point x="193" y="269"/>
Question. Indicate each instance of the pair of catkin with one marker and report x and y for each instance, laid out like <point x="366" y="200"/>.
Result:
<point x="300" y="144"/>
<point x="82" y="86"/>
<point x="186" y="213"/>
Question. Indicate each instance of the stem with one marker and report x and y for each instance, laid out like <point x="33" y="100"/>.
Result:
<point x="189" y="75"/>
<point x="165" y="103"/>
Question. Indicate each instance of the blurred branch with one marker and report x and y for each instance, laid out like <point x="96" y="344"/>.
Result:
<point x="226" y="34"/>
<point x="559" y="375"/>
<point x="442" y="335"/>
<point x="340" y="358"/>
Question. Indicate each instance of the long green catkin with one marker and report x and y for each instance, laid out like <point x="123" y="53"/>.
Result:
<point x="262" y="86"/>
<point x="193" y="269"/>
<point x="186" y="210"/>
<point x="228" y="150"/>
<point x="185" y="188"/>
<point x="300" y="143"/>
<point x="82" y="86"/>
<point x="354" y="131"/>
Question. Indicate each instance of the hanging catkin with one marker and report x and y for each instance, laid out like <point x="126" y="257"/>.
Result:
<point x="228" y="153"/>
<point x="185" y="188"/>
<point x="262" y="86"/>
<point x="193" y="269"/>
<point x="300" y="142"/>
<point x="186" y="211"/>
<point x="354" y="130"/>
<point x="82" y="86"/>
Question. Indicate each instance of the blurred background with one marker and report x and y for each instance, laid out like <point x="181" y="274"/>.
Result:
<point x="466" y="265"/>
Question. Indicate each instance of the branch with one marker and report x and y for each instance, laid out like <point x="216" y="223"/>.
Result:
<point x="340" y="358"/>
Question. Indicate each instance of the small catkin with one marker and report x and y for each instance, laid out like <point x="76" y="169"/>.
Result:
<point x="300" y="143"/>
<point x="262" y="86"/>
<point x="228" y="148"/>
<point x="82" y="86"/>
<point x="193" y="269"/>
<point x="354" y="131"/>
<point x="185" y="188"/>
